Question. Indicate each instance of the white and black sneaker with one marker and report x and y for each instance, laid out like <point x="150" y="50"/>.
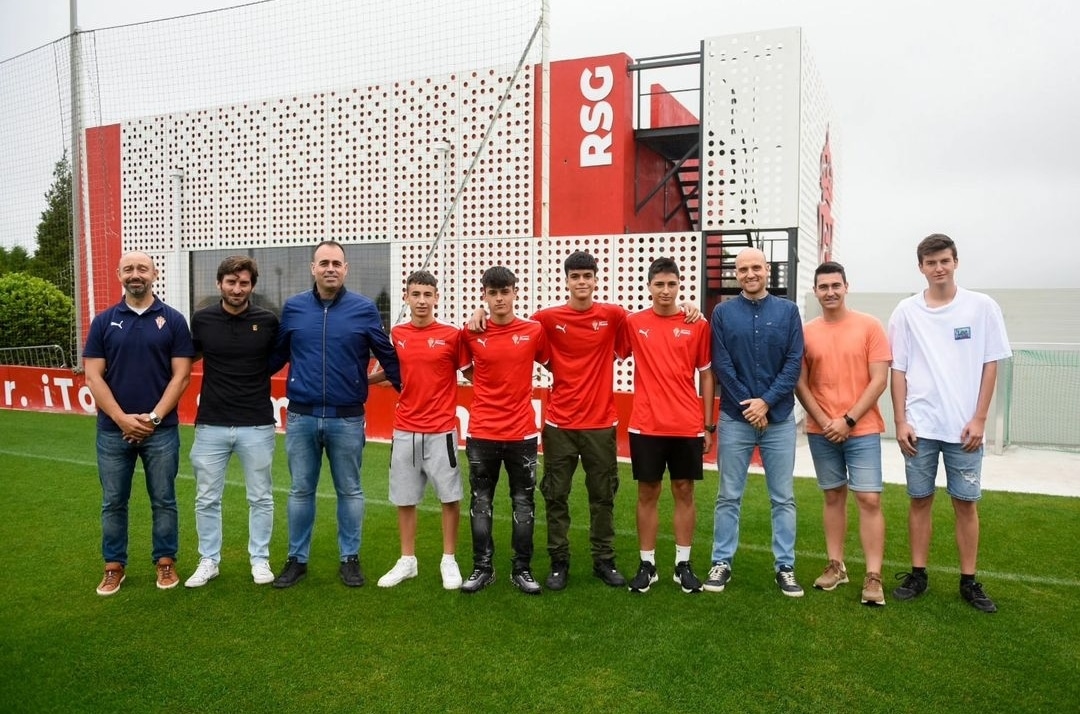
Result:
<point x="785" y="578"/>
<point x="684" y="576"/>
<point x="646" y="576"/>
<point x="478" y="579"/>
<point x="523" y="580"/>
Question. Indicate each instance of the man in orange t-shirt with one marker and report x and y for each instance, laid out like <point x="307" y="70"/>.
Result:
<point x="844" y="372"/>
<point x="425" y="444"/>
<point x="671" y="425"/>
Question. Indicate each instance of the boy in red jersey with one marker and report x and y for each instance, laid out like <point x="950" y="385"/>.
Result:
<point x="580" y="420"/>
<point x="425" y="435"/>
<point x="502" y="428"/>
<point x="670" y="425"/>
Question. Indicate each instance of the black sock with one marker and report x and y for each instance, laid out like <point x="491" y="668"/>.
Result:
<point x="921" y="572"/>
<point x="965" y="579"/>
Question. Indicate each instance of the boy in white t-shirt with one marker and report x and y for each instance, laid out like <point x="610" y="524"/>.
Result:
<point x="946" y="343"/>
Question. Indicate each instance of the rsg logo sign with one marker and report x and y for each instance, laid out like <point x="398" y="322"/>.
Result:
<point x="596" y="116"/>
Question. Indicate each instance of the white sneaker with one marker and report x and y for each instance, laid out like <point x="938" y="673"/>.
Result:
<point x="262" y="574"/>
<point x="403" y="569"/>
<point x="203" y="574"/>
<point x="451" y="575"/>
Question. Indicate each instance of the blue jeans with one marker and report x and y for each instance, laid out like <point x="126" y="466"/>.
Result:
<point x="854" y="462"/>
<point x="963" y="470"/>
<point x="210" y="454"/>
<point x="160" y="455"/>
<point x="306" y="437"/>
<point x="777" y="446"/>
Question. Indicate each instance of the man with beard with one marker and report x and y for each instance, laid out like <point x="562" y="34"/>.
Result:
<point x="234" y="338"/>
<point x="138" y="362"/>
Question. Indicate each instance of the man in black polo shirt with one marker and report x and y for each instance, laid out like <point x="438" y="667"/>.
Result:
<point x="234" y="338"/>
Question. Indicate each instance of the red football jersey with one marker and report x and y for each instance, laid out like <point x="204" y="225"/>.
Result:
<point x="667" y="353"/>
<point x="502" y="358"/>
<point x="582" y="350"/>
<point x="430" y="357"/>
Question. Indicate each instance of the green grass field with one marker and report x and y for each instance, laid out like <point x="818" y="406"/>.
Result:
<point x="321" y="647"/>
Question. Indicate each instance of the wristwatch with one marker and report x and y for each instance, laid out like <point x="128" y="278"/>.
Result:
<point x="711" y="428"/>
<point x="155" y="419"/>
<point x="850" y="421"/>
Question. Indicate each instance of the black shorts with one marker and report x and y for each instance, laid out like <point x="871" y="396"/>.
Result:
<point x="680" y="455"/>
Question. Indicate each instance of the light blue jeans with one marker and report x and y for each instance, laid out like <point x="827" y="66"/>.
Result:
<point x="210" y="454"/>
<point x="854" y="462"/>
<point x="306" y="437"/>
<point x="963" y="470"/>
<point x="777" y="446"/>
<point x="160" y="455"/>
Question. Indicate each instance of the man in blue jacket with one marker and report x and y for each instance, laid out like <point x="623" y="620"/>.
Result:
<point x="757" y="350"/>
<point x="327" y="335"/>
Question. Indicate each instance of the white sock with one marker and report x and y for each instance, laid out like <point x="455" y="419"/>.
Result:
<point x="649" y="556"/>
<point x="448" y="558"/>
<point x="409" y="558"/>
<point x="682" y="553"/>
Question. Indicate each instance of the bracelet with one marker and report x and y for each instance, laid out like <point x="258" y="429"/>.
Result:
<point x="711" y="428"/>
<point x="850" y="421"/>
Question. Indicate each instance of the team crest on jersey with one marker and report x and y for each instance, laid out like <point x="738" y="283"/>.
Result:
<point x="597" y="324"/>
<point x="518" y="339"/>
<point x="679" y="332"/>
<point x="433" y="343"/>
<point x="159" y="321"/>
<point x="254" y="328"/>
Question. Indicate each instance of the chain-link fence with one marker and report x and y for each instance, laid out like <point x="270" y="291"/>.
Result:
<point x="261" y="128"/>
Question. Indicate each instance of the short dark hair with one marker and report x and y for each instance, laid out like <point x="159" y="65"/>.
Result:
<point x="331" y="243"/>
<point x="579" y="260"/>
<point x="828" y="268"/>
<point x="498" y="277"/>
<point x="663" y="265"/>
<point x="935" y="243"/>
<point x="235" y="264"/>
<point x="421" y="277"/>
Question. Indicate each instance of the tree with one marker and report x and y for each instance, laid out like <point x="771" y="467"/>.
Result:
<point x="54" y="258"/>
<point x="15" y="260"/>
<point x="33" y="311"/>
<point x="382" y="302"/>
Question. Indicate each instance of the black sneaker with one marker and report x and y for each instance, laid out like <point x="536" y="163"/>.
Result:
<point x="606" y="571"/>
<point x="913" y="586"/>
<point x="350" y="572"/>
<point x="646" y="576"/>
<point x="560" y="571"/>
<point x="684" y="576"/>
<point x="973" y="593"/>
<point x="523" y="580"/>
<point x="785" y="578"/>
<point x="292" y="573"/>
<point x="478" y="579"/>
<point x="719" y="575"/>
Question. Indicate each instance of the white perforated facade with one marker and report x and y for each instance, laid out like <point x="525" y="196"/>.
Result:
<point x="380" y="163"/>
<point x="750" y="123"/>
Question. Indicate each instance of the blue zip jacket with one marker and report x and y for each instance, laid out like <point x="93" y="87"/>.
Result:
<point x="328" y="348"/>
<point x="757" y="351"/>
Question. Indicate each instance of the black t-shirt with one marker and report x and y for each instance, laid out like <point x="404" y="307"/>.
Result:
<point x="236" y="372"/>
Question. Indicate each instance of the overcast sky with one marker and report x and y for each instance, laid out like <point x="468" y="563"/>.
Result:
<point x="956" y="116"/>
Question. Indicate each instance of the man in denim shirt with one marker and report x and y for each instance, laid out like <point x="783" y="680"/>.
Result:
<point x="757" y="350"/>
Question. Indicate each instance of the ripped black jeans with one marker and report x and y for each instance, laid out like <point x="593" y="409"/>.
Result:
<point x="485" y="459"/>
